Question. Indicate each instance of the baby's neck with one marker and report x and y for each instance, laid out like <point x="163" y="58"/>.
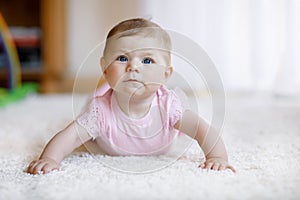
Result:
<point x="134" y="107"/>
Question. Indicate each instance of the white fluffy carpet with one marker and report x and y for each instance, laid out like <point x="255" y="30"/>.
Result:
<point x="262" y="135"/>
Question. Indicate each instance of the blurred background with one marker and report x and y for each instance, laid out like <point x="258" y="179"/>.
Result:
<point x="254" y="44"/>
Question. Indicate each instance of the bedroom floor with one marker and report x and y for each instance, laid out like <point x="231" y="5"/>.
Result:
<point x="262" y="135"/>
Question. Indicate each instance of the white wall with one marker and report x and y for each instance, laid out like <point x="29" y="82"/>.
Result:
<point x="88" y="22"/>
<point x="254" y="43"/>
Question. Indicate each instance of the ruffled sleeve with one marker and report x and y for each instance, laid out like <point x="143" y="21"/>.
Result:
<point x="176" y="109"/>
<point x="92" y="118"/>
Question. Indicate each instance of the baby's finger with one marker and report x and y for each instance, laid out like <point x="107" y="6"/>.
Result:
<point x="32" y="163"/>
<point x="48" y="167"/>
<point x="216" y="166"/>
<point x="208" y="165"/>
<point x="202" y="165"/>
<point x="231" y="168"/>
<point x="38" y="168"/>
<point x="222" y="167"/>
<point x="31" y="166"/>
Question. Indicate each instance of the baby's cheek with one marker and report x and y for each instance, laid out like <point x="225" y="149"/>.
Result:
<point x="156" y="78"/>
<point x="113" y="76"/>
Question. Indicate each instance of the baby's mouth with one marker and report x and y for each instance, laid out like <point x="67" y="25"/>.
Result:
<point x="134" y="81"/>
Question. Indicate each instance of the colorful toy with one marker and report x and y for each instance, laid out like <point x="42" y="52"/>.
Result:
<point x="15" y="90"/>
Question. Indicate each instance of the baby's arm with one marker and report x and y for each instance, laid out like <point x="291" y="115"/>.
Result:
<point x="58" y="147"/>
<point x="210" y="141"/>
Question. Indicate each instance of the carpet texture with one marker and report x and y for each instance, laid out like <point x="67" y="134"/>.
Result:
<point x="262" y="135"/>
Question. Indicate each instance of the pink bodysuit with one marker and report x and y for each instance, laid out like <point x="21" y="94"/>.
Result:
<point x="117" y="134"/>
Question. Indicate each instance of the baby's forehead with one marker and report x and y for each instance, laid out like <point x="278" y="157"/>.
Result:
<point x="141" y="51"/>
<point x="136" y="43"/>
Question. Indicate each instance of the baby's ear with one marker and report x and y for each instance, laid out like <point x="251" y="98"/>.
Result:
<point x="168" y="72"/>
<point x="103" y="64"/>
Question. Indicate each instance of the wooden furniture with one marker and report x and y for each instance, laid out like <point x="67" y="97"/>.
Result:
<point x="49" y="15"/>
<point x="53" y="26"/>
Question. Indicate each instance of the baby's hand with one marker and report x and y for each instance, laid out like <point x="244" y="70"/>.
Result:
<point x="216" y="164"/>
<point x="42" y="166"/>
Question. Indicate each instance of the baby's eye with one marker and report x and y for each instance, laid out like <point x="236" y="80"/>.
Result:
<point x="147" y="61"/>
<point x="122" y="59"/>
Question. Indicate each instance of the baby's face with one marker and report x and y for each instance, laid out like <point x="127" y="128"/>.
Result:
<point x="136" y="65"/>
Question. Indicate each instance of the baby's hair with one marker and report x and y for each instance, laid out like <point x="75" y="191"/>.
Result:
<point x="140" y="26"/>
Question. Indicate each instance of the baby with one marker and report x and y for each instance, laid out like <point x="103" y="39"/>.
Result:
<point x="138" y="115"/>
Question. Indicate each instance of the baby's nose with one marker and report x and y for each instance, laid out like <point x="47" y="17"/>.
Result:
<point x="132" y="66"/>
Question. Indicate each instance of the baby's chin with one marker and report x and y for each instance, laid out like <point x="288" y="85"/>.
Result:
<point x="143" y="91"/>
